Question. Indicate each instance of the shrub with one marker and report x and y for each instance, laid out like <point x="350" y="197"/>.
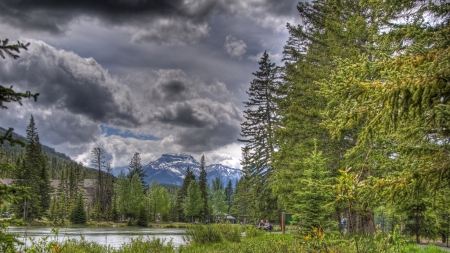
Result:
<point x="231" y="233"/>
<point x="139" y="245"/>
<point x="251" y="231"/>
<point x="202" y="234"/>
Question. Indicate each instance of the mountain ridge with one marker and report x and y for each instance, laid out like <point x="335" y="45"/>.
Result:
<point x="171" y="168"/>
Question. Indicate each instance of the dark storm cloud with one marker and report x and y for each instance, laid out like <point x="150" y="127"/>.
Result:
<point x="206" y="125"/>
<point x="173" y="89"/>
<point x="161" y="21"/>
<point x="60" y="128"/>
<point x="68" y="82"/>
<point x="181" y="114"/>
<point x="208" y="139"/>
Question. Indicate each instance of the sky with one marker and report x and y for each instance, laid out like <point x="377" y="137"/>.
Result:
<point x="147" y="76"/>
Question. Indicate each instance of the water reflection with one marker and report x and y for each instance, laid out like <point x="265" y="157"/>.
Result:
<point x="114" y="237"/>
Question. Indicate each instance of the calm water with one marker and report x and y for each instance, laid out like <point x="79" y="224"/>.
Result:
<point x="106" y="236"/>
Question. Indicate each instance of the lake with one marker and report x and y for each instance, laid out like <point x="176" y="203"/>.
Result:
<point x="114" y="237"/>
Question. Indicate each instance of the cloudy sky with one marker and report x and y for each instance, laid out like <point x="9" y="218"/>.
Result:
<point x="147" y="76"/>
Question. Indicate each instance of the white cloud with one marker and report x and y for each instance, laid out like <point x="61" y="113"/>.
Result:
<point x="234" y="47"/>
<point x="267" y="13"/>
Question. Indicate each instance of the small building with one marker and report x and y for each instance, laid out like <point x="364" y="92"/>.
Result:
<point x="231" y="219"/>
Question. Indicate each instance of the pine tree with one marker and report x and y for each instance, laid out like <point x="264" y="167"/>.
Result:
<point x="33" y="173"/>
<point x="193" y="203"/>
<point x="204" y="188"/>
<point x="257" y="131"/>
<point x="229" y="195"/>
<point x="219" y="203"/>
<point x="8" y="95"/>
<point x="216" y="185"/>
<point x="182" y="193"/>
<point x="45" y="187"/>
<point x="260" y="119"/>
<point x="142" y="219"/>
<point x="394" y="98"/>
<point x="78" y="212"/>
<point x="136" y="167"/>
<point x="314" y="193"/>
<point x="104" y="189"/>
<point x="240" y="206"/>
<point x="129" y="195"/>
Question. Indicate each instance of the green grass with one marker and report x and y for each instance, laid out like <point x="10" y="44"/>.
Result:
<point x="226" y="238"/>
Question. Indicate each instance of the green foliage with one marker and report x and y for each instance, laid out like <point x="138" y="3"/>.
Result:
<point x="260" y="119"/>
<point x="135" y="167"/>
<point x="252" y="231"/>
<point x="158" y="200"/>
<point x="182" y="193"/>
<point x="240" y="206"/>
<point x="33" y="172"/>
<point x="78" y="212"/>
<point x="314" y="193"/>
<point x="129" y="195"/>
<point x="202" y="234"/>
<point x="257" y="132"/>
<point x="230" y="232"/>
<point x="193" y="203"/>
<point x="8" y="94"/>
<point x="219" y="203"/>
<point x="229" y="195"/>
<point x="213" y="233"/>
<point x="141" y="245"/>
<point x="203" y="183"/>
<point x="142" y="218"/>
<point x="226" y="238"/>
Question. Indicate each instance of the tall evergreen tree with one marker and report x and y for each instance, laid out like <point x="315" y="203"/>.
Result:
<point x="257" y="131"/>
<point x="78" y="212"/>
<point x="330" y="30"/>
<point x="193" y="203"/>
<point x="216" y="185"/>
<point x="182" y="193"/>
<point x="241" y="199"/>
<point x="98" y="156"/>
<point x="229" y="195"/>
<point x="397" y="93"/>
<point x="45" y="187"/>
<point x="314" y="193"/>
<point x="33" y="173"/>
<point x="219" y="203"/>
<point x="129" y="195"/>
<point x="136" y="167"/>
<point x="260" y="119"/>
<point x="203" y="183"/>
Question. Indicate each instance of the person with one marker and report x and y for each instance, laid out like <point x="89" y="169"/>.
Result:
<point x="267" y="226"/>
<point x="261" y="224"/>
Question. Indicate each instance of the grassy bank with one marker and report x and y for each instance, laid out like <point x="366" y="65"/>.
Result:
<point x="227" y="238"/>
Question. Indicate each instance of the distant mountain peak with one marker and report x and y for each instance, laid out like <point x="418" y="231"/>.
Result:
<point x="177" y="158"/>
<point x="171" y="169"/>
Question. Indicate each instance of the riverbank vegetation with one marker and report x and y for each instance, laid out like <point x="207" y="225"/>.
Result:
<point x="227" y="238"/>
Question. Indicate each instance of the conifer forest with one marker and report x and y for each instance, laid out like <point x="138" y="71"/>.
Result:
<point x="348" y="135"/>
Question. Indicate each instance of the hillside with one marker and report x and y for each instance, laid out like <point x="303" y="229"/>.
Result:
<point x="51" y="152"/>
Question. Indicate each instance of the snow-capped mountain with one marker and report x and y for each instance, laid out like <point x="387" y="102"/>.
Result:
<point x="171" y="168"/>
